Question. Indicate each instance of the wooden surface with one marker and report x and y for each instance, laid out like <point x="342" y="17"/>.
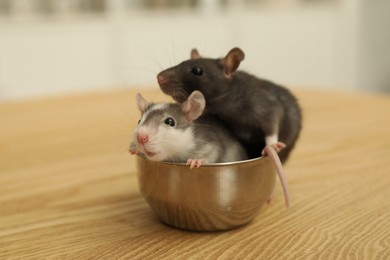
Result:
<point x="69" y="187"/>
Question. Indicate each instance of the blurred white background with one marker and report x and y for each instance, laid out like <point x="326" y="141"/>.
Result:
<point x="51" y="47"/>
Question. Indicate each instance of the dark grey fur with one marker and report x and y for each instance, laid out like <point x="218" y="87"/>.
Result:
<point x="251" y="107"/>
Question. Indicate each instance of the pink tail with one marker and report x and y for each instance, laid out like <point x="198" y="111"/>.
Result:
<point x="279" y="170"/>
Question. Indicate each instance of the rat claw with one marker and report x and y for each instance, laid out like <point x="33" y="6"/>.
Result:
<point x="195" y="163"/>
<point x="191" y="163"/>
<point x="277" y="147"/>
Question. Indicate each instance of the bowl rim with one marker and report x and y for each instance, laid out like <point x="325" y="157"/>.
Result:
<point x="208" y="164"/>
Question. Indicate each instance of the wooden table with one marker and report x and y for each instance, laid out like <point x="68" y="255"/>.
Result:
<point x="69" y="187"/>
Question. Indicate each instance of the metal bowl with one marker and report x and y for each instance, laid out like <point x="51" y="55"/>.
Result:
<point x="212" y="197"/>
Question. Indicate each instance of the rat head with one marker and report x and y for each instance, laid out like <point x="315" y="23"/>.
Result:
<point x="165" y="132"/>
<point x="210" y="76"/>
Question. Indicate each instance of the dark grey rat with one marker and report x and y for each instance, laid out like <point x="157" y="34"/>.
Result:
<point x="258" y="112"/>
<point x="265" y="117"/>
<point x="178" y="133"/>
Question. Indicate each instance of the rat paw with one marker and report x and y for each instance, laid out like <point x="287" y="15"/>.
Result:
<point x="196" y="162"/>
<point x="133" y="148"/>
<point x="277" y="147"/>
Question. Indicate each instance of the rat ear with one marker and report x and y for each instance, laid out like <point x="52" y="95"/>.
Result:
<point x="141" y="102"/>
<point x="232" y="61"/>
<point x="194" y="106"/>
<point x="195" y="54"/>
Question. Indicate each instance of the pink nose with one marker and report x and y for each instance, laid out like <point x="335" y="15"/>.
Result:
<point x="142" y="139"/>
<point x="161" y="79"/>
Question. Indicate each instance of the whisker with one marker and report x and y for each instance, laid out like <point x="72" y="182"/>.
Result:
<point x="173" y="48"/>
<point x="144" y="83"/>
<point x="154" y="72"/>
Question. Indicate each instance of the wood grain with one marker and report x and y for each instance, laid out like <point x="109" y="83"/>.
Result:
<point x="69" y="187"/>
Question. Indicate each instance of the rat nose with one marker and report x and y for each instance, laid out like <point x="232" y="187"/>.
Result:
<point x="161" y="79"/>
<point x="142" y="138"/>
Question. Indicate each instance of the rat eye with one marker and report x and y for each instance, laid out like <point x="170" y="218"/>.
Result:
<point x="139" y="121"/>
<point x="169" y="121"/>
<point x="198" y="71"/>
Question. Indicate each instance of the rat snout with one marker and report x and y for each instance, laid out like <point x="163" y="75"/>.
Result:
<point x="161" y="79"/>
<point x="142" y="138"/>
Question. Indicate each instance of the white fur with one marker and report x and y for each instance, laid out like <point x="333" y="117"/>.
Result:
<point x="208" y="152"/>
<point x="233" y="153"/>
<point x="167" y="143"/>
<point x="151" y="145"/>
<point x="271" y="139"/>
<point x="176" y="144"/>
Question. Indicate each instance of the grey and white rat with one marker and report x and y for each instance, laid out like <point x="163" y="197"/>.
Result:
<point x="178" y="133"/>
<point x="259" y="112"/>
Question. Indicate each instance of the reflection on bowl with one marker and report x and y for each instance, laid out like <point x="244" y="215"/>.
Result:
<point x="217" y="196"/>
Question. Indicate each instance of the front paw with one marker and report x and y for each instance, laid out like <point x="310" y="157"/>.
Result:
<point x="196" y="163"/>
<point x="133" y="148"/>
<point x="277" y="147"/>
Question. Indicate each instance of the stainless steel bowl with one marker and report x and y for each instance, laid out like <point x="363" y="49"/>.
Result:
<point x="218" y="196"/>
